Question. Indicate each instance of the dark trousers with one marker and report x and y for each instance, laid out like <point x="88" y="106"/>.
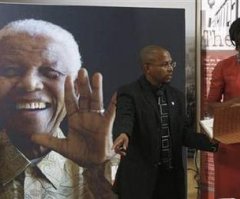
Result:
<point x="166" y="185"/>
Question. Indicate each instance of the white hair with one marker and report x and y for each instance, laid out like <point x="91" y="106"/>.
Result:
<point x="35" y="27"/>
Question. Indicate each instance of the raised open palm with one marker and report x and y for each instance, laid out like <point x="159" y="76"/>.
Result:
<point x="88" y="141"/>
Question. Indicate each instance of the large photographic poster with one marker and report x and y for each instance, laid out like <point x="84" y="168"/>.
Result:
<point x="216" y="18"/>
<point x="110" y="38"/>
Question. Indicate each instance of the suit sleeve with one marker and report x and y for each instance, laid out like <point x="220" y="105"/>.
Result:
<point x="198" y="140"/>
<point x="125" y="114"/>
<point x="192" y="139"/>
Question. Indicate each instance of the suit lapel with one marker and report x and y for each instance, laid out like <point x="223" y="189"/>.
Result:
<point x="148" y="95"/>
<point x="150" y="98"/>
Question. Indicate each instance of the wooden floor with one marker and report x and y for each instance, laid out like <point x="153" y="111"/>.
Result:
<point x="192" y="183"/>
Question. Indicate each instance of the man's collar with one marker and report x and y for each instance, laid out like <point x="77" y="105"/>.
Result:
<point x="13" y="162"/>
<point x="53" y="165"/>
<point x="154" y="88"/>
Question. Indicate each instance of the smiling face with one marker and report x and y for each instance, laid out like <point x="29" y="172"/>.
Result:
<point x="32" y="75"/>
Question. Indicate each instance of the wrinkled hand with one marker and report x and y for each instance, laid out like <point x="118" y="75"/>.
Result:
<point x="120" y="144"/>
<point x="88" y="141"/>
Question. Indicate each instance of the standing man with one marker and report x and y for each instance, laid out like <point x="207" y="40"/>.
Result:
<point x="150" y="130"/>
<point x="41" y="82"/>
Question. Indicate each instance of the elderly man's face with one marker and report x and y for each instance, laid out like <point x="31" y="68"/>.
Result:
<point x="32" y="76"/>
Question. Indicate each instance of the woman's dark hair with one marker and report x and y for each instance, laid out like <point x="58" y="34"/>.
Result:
<point x="234" y="33"/>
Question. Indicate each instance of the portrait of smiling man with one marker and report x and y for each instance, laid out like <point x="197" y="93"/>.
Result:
<point x="41" y="82"/>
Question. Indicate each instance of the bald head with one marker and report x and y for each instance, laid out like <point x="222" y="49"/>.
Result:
<point x="149" y="54"/>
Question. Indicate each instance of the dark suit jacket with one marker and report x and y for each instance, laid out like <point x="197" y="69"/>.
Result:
<point x="137" y="115"/>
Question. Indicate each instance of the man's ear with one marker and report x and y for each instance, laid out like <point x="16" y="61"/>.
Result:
<point x="145" y="68"/>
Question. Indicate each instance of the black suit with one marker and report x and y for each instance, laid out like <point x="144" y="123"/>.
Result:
<point x="137" y="115"/>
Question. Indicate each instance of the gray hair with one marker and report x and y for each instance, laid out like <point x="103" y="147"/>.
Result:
<point x="35" y="27"/>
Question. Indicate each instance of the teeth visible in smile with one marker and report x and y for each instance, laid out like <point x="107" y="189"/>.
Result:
<point x="31" y="105"/>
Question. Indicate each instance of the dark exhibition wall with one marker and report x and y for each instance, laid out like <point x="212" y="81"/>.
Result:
<point x="110" y="38"/>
